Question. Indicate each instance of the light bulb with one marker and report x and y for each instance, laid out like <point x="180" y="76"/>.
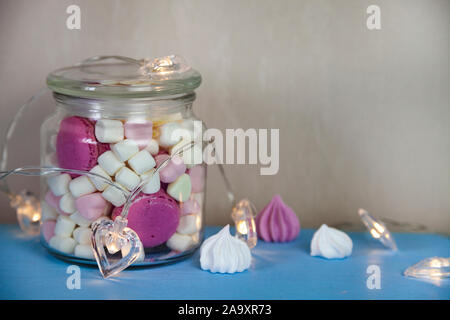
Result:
<point x="244" y="219"/>
<point x="115" y="241"/>
<point x="28" y="210"/>
<point x="377" y="229"/>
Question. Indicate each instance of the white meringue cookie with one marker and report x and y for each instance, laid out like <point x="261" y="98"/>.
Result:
<point x="331" y="243"/>
<point x="224" y="253"/>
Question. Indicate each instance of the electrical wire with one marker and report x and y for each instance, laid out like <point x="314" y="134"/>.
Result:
<point x="4" y="187"/>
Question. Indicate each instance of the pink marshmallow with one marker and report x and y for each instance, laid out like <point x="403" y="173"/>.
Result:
<point x="53" y="201"/>
<point x="139" y="131"/>
<point x="189" y="207"/>
<point x="160" y="158"/>
<point x="92" y="206"/>
<point x="172" y="170"/>
<point x="197" y="174"/>
<point x="48" y="229"/>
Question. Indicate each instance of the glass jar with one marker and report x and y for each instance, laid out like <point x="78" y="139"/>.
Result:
<point x="118" y="119"/>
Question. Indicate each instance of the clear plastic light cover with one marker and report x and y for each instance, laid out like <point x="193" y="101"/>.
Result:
<point x="434" y="268"/>
<point x="243" y="215"/>
<point x="114" y="236"/>
<point x="377" y="229"/>
<point x="28" y="209"/>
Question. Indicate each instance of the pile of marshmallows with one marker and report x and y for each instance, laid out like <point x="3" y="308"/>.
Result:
<point x="137" y="147"/>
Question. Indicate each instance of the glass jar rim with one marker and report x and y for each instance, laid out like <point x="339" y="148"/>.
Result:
<point x="126" y="78"/>
<point x="128" y="107"/>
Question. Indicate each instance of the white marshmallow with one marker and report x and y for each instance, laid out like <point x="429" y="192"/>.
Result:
<point x="154" y="184"/>
<point x="55" y="241"/>
<point x="125" y="149"/>
<point x="126" y="249"/>
<point x="64" y="226"/>
<point x="142" y="162"/>
<point x="79" y="219"/>
<point x="198" y="196"/>
<point x="64" y="244"/>
<point x="82" y="235"/>
<point x="67" y="245"/>
<point x="81" y="186"/>
<point x="67" y="203"/>
<point x="114" y="195"/>
<point x="195" y="128"/>
<point x="192" y="156"/>
<point x="171" y="133"/>
<point x="59" y="184"/>
<point x="99" y="184"/>
<point x="84" y="251"/>
<point x="109" y="131"/>
<point x="199" y="222"/>
<point x="196" y="237"/>
<point x="127" y="178"/>
<point x="180" y="242"/>
<point x="47" y="212"/>
<point x="188" y="224"/>
<point x="152" y="147"/>
<point x="109" y="162"/>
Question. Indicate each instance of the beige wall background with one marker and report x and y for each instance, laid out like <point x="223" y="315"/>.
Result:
<point x="364" y="116"/>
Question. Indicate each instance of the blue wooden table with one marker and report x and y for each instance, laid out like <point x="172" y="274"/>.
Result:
<point x="278" y="271"/>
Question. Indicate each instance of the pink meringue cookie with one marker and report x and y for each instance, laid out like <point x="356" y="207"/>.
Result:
<point x="277" y="222"/>
<point x="92" y="206"/>
<point x="197" y="174"/>
<point x="174" y="168"/>
<point x="140" y="131"/>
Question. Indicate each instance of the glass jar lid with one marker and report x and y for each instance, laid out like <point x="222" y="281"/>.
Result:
<point x="122" y="77"/>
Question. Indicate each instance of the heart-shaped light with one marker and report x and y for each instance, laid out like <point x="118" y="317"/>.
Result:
<point x="114" y="235"/>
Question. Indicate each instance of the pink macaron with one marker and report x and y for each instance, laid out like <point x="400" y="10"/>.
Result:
<point x="76" y="145"/>
<point x="103" y="147"/>
<point x="154" y="217"/>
